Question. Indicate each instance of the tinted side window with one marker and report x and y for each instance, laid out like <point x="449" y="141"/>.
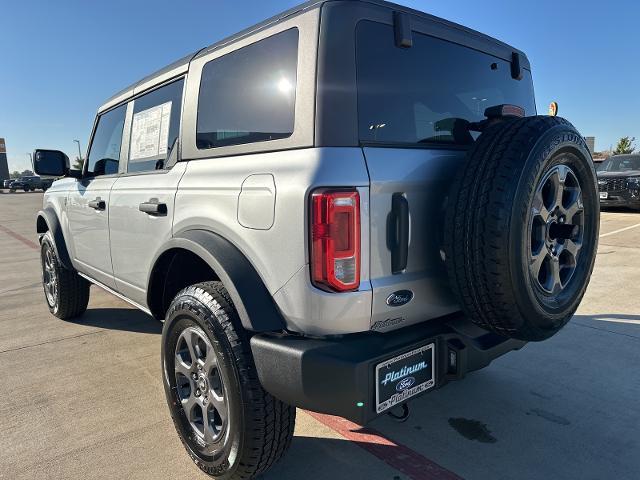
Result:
<point x="104" y="156"/>
<point x="427" y="93"/>
<point x="155" y="127"/>
<point x="249" y="95"/>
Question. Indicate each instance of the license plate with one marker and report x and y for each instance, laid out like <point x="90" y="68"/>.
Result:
<point x="404" y="376"/>
<point x="604" y="195"/>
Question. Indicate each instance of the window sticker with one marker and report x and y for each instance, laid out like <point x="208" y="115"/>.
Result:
<point x="150" y="132"/>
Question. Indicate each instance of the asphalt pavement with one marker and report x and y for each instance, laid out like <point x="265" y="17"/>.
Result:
<point x="84" y="399"/>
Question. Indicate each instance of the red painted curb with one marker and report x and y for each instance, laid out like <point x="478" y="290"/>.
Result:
<point x="396" y="455"/>
<point x="19" y="237"/>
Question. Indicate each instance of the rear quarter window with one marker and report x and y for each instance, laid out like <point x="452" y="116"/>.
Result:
<point x="417" y="95"/>
<point x="249" y="95"/>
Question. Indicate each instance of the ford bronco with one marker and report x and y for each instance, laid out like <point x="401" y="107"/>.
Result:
<point x="339" y="209"/>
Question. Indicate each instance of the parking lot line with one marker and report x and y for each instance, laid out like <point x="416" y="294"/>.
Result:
<point x="620" y="230"/>
<point x="19" y="237"/>
<point x="396" y="455"/>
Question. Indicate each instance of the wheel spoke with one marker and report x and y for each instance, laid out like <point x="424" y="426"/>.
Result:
<point x="210" y="360"/>
<point x="188" y="404"/>
<point x="191" y="340"/>
<point x="538" y="208"/>
<point x="219" y="404"/>
<point x="572" y="247"/>
<point x="558" y="180"/>
<point x="207" y="417"/>
<point x="575" y="207"/>
<point x="556" y="284"/>
<point x="182" y="368"/>
<point x="537" y="260"/>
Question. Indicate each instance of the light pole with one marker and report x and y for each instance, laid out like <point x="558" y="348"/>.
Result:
<point x="79" y="150"/>
<point x="31" y="160"/>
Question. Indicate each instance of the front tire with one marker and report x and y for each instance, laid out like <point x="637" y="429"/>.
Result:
<point x="229" y="425"/>
<point x="66" y="292"/>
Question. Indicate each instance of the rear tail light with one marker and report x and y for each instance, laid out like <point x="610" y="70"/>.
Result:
<point x="335" y="240"/>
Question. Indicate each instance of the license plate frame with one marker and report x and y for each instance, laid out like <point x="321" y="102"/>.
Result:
<point x="395" y="385"/>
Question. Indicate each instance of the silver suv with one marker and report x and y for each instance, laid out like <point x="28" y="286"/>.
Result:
<point x="341" y="208"/>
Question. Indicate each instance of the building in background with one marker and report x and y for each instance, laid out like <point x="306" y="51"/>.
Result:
<point x="4" y="166"/>
<point x="591" y="143"/>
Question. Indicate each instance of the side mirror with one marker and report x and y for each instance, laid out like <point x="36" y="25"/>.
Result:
<point x="52" y="163"/>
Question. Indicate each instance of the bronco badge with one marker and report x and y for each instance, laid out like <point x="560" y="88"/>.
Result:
<point x="399" y="298"/>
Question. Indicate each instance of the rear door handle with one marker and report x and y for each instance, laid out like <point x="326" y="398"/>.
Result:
<point x="398" y="235"/>
<point x="98" y="204"/>
<point x="153" y="207"/>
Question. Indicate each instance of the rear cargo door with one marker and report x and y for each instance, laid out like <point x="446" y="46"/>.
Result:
<point x="414" y="105"/>
<point x="407" y="194"/>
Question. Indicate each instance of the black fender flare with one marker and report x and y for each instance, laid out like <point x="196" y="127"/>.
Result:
<point x="50" y="219"/>
<point x="254" y="303"/>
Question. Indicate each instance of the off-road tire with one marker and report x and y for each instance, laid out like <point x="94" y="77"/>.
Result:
<point x="72" y="293"/>
<point x="261" y="426"/>
<point x="488" y="233"/>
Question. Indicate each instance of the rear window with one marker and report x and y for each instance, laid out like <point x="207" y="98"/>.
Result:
<point x="418" y="95"/>
<point x="249" y="95"/>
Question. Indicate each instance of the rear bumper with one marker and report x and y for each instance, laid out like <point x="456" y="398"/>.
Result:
<point x="335" y="375"/>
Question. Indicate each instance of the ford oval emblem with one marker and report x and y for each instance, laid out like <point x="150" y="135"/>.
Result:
<point x="399" y="298"/>
<point x="405" y="384"/>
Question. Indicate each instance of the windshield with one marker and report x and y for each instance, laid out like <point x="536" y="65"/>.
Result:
<point x="620" y="164"/>
<point x="428" y="93"/>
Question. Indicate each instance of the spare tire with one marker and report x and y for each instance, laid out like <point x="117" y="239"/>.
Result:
<point x="521" y="227"/>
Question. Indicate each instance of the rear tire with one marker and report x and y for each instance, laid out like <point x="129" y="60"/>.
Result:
<point x="521" y="229"/>
<point x="66" y="292"/>
<point x="235" y="430"/>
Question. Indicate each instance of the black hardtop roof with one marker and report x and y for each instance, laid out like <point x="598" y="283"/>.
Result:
<point x="297" y="10"/>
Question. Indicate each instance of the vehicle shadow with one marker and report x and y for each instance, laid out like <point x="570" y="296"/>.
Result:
<point x="619" y="210"/>
<point x="125" y="319"/>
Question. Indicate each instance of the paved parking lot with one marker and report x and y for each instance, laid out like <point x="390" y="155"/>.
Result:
<point x="84" y="399"/>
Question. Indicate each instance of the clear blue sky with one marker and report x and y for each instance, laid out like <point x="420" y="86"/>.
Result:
<point x="60" y="59"/>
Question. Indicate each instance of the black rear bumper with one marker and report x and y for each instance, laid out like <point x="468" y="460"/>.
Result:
<point x="336" y="376"/>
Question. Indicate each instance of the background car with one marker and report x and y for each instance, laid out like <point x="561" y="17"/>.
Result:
<point x="619" y="181"/>
<point x="30" y="183"/>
